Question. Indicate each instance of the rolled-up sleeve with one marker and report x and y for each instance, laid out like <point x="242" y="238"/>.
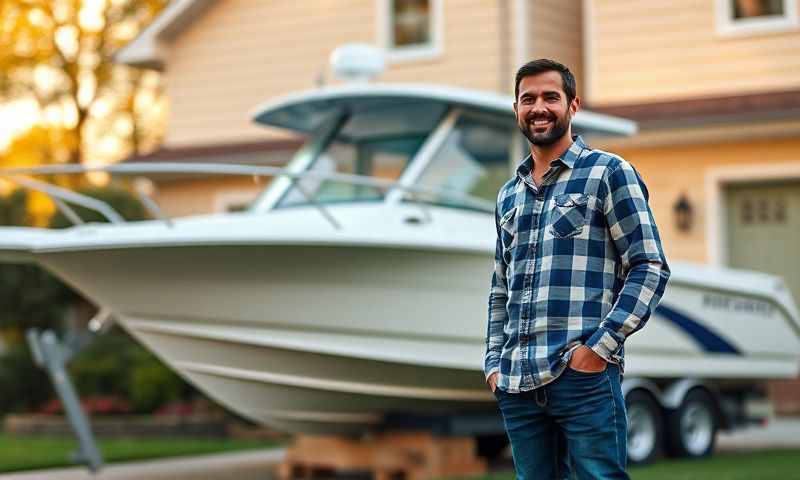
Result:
<point x="498" y="314"/>
<point x="644" y="267"/>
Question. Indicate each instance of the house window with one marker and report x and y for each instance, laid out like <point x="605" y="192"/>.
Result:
<point x="757" y="8"/>
<point x="410" y="29"/>
<point x="736" y="17"/>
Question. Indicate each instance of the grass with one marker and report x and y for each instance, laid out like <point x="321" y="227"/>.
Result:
<point x="35" y="452"/>
<point x="761" y="465"/>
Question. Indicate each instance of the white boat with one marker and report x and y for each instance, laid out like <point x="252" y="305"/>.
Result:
<point x="354" y="290"/>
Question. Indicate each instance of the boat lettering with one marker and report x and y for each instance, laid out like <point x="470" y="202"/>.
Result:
<point x="732" y="304"/>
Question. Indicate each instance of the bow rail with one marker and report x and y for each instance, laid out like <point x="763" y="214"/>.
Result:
<point x="61" y="196"/>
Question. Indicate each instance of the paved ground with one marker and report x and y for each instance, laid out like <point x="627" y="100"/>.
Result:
<point x="780" y="433"/>
<point x="260" y="464"/>
<point x="255" y="465"/>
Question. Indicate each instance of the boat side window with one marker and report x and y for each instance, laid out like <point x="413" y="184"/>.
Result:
<point x="378" y="158"/>
<point x="475" y="159"/>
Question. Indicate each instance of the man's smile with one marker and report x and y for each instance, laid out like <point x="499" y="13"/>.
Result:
<point x="541" y="123"/>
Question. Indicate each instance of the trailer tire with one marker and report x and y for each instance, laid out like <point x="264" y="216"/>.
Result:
<point x="645" y="427"/>
<point x="693" y="426"/>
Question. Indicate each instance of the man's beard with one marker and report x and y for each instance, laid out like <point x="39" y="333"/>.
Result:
<point x="559" y="128"/>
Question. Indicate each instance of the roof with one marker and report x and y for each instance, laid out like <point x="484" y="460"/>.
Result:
<point x="145" y="50"/>
<point x="719" y="109"/>
<point x="300" y="111"/>
<point x="265" y="152"/>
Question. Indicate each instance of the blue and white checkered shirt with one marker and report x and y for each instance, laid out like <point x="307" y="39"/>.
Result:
<point x="578" y="261"/>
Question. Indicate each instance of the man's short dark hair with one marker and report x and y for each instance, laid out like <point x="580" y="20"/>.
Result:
<point x="535" y="67"/>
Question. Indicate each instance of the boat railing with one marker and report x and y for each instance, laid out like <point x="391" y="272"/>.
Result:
<point x="63" y="197"/>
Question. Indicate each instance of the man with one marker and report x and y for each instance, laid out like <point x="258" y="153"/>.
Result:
<point x="578" y="268"/>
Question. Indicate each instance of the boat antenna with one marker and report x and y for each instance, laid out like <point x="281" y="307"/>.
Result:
<point x="357" y="62"/>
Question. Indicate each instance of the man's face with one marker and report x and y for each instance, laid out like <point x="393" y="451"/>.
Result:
<point x="542" y="112"/>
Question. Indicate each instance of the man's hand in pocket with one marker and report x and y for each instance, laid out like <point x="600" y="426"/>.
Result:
<point x="492" y="381"/>
<point x="585" y="360"/>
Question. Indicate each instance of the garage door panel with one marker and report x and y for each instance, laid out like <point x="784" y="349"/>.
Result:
<point x="764" y="229"/>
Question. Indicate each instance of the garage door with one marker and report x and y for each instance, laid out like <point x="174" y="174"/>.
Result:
<point x="764" y="229"/>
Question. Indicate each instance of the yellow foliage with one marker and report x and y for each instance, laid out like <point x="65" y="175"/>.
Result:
<point x="58" y="53"/>
<point x="40" y="208"/>
<point x="6" y="187"/>
<point x="37" y="146"/>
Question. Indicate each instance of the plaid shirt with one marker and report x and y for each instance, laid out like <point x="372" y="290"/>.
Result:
<point x="578" y="261"/>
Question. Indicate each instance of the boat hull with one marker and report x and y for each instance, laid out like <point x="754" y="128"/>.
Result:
<point x="334" y="339"/>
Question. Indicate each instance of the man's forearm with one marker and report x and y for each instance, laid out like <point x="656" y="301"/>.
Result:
<point x="498" y="316"/>
<point x="644" y="286"/>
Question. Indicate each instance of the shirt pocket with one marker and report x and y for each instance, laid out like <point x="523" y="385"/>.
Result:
<point x="508" y="232"/>
<point x="569" y="215"/>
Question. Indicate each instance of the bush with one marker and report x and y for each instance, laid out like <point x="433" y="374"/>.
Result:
<point x="153" y="385"/>
<point x="114" y="365"/>
<point x="24" y="385"/>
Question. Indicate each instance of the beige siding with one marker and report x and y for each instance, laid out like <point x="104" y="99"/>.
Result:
<point x="242" y="52"/>
<point x="670" y="49"/>
<point x="181" y="197"/>
<point x="669" y="171"/>
<point x="556" y="32"/>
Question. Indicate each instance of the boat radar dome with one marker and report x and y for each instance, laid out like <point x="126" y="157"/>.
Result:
<point x="357" y="62"/>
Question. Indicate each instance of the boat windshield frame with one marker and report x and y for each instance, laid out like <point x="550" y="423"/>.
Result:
<point x="308" y="154"/>
<point x="305" y="158"/>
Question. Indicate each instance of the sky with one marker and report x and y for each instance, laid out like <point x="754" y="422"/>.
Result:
<point x="15" y="118"/>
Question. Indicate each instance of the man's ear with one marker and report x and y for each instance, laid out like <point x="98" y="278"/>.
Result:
<point x="575" y="105"/>
<point x="514" y="106"/>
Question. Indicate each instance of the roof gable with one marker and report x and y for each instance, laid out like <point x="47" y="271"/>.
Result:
<point x="147" y="50"/>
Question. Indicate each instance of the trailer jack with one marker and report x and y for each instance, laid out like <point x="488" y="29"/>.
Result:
<point x="53" y="355"/>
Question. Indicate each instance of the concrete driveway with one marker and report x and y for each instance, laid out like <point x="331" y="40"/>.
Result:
<point x="779" y="433"/>
<point x="257" y="464"/>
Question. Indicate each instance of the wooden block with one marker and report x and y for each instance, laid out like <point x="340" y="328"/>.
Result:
<point x="416" y="455"/>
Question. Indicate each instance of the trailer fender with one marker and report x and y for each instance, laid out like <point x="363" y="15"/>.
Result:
<point x="675" y="393"/>
<point x="631" y="384"/>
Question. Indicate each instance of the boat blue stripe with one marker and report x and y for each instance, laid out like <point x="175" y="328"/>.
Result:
<point x="707" y="339"/>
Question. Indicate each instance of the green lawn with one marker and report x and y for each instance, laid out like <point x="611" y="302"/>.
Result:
<point x="33" y="452"/>
<point x="763" y="465"/>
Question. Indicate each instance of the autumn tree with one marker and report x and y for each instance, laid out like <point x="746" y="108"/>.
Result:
<point x="57" y="53"/>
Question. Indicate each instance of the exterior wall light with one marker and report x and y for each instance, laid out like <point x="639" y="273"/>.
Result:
<point x="683" y="213"/>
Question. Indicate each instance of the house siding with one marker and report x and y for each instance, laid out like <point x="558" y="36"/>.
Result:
<point x="240" y="53"/>
<point x="556" y="32"/>
<point x="670" y="171"/>
<point x="671" y="50"/>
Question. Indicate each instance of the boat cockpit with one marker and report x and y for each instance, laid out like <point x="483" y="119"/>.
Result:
<point x="439" y="139"/>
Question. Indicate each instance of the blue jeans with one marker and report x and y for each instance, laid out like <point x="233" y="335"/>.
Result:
<point x="573" y="427"/>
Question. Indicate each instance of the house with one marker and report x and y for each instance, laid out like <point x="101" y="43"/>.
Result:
<point x="715" y="88"/>
<point x="714" y="85"/>
<point x="221" y="58"/>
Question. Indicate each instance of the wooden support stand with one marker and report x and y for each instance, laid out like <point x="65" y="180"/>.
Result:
<point x="410" y="455"/>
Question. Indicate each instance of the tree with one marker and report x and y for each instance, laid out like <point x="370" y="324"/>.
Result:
<point x="57" y="53"/>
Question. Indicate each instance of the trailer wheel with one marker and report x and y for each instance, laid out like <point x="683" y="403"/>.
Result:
<point x="693" y="426"/>
<point x="645" y="427"/>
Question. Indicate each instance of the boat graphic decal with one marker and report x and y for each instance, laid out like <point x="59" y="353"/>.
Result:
<point x="708" y="340"/>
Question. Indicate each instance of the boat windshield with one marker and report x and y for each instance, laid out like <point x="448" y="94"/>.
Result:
<point x="475" y="159"/>
<point x="379" y="143"/>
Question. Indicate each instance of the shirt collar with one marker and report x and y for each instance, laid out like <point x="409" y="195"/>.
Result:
<point x="568" y="157"/>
